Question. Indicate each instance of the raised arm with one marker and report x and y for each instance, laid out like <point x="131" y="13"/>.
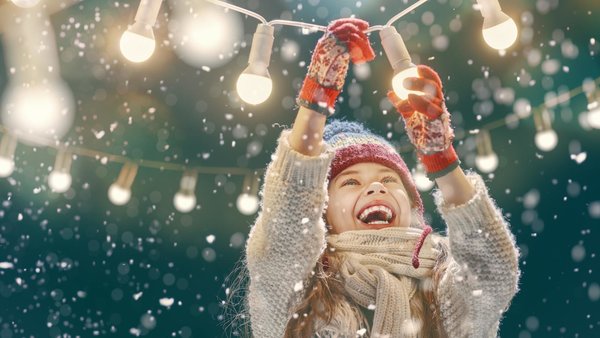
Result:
<point x="343" y="42"/>
<point x="482" y="274"/>
<point x="289" y="234"/>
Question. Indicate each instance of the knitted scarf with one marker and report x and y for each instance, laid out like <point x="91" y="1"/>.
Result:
<point x="377" y="269"/>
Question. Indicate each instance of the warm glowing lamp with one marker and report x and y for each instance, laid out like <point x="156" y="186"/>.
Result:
<point x="499" y="30"/>
<point x="398" y="56"/>
<point x="254" y="85"/>
<point x="486" y="160"/>
<point x="119" y="193"/>
<point x="137" y="42"/>
<point x="59" y="180"/>
<point x="546" y="138"/>
<point x="185" y="199"/>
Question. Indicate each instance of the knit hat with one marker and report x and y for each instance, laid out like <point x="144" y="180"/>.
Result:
<point x="353" y="143"/>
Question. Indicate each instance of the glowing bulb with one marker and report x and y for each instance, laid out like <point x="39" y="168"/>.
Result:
<point x="7" y="166"/>
<point x="502" y="35"/>
<point x="184" y="202"/>
<point x="486" y="163"/>
<point x="26" y="3"/>
<point x="593" y="115"/>
<point x="44" y="119"/>
<point x="59" y="181"/>
<point x="254" y="85"/>
<point x="399" y="59"/>
<point x="254" y="89"/>
<point x="137" y="43"/>
<point x="398" y="82"/>
<point x="118" y="195"/>
<point x="185" y="199"/>
<point x="247" y="204"/>
<point x="546" y="140"/>
<point x="499" y="30"/>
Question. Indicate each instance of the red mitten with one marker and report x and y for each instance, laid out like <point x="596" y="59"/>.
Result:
<point x="343" y="41"/>
<point x="427" y="122"/>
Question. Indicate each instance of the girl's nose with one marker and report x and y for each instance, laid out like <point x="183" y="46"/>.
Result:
<point x="376" y="187"/>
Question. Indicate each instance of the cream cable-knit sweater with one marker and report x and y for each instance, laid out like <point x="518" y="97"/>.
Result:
<point x="289" y="237"/>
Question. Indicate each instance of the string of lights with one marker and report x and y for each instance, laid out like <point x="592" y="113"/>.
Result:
<point x="254" y="87"/>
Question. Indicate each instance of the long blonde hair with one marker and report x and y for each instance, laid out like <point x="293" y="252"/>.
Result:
<point x="326" y="296"/>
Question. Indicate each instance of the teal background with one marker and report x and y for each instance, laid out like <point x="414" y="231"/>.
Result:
<point x="79" y="260"/>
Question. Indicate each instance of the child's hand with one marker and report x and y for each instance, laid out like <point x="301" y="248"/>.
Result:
<point x="427" y="122"/>
<point x="343" y="41"/>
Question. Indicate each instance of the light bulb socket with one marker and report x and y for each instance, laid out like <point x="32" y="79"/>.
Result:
<point x="395" y="49"/>
<point x="187" y="184"/>
<point x="8" y="145"/>
<point x="142" y="29"/>
<point x="127" y="175"/>
<point x="484" y="143"/>
<point x="63" y="161"/>
<point x="148" y="12"/>
<point x="251" y="183"/>
<point x="542" y="120"/>
<point x="262" y="46"/>
<point x="489" y="8"/>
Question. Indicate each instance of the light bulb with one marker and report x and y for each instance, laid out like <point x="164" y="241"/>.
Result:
<point x="254" y="85"/>
<point x="546" y="140"/>
<point x="184" y="202"/>
<point x="118" y="195"/>
<point x="38" y="113"/>
<point x="486" y="163"/>
<point x="422" y="182"/>
<point x="499" y="30"/>
<point x="593" y="115"/>
<point x="26" y="3"/>
<point x="247" y="204"/>
<point x="398" y="82"/>
<point x="253" y="88"/>
<point x="502" y="35"/>
<point x="59" y="181"/>
<point x="137" y="43"/>
<point x="204" y="35"/>
<point x="7" y="166"/>
<point x="399" y="59"/>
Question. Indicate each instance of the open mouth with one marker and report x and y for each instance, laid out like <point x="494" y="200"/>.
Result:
<point x="376" y="214"/>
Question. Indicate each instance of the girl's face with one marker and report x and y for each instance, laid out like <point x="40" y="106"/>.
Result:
<point x="367" y="196"/>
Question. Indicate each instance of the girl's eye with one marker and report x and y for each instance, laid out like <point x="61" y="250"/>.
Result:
<point x="389" y="179"/>
<point x="349" y="181"/>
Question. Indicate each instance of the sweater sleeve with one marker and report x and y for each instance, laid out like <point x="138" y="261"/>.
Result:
<point x="483" y="272"/>
<point x="288" y="237"/>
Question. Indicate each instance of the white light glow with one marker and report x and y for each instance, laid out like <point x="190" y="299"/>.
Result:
<point x="254" y="89"/>
<point x="59" y="181"/>
<point x="38" y="114"/>
<point x="247" y="204"/>
<point x="118" y="195"/>
<point x="206" y="37"/>
<point x="137" y="47"/>
<point x="593" y="118"/>
<point x="7" y="166"/>
<point x="502" y="35"/>
<point x="546" y="140"/>
<point x="398" y="82"/>
<point x="184" y="202"/>
<point x="25" y="3"/>
<point x="486" y="163"/>
<point x="422" y="182"/>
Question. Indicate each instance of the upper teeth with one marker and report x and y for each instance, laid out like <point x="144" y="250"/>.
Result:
<point x="386" y="210"/>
